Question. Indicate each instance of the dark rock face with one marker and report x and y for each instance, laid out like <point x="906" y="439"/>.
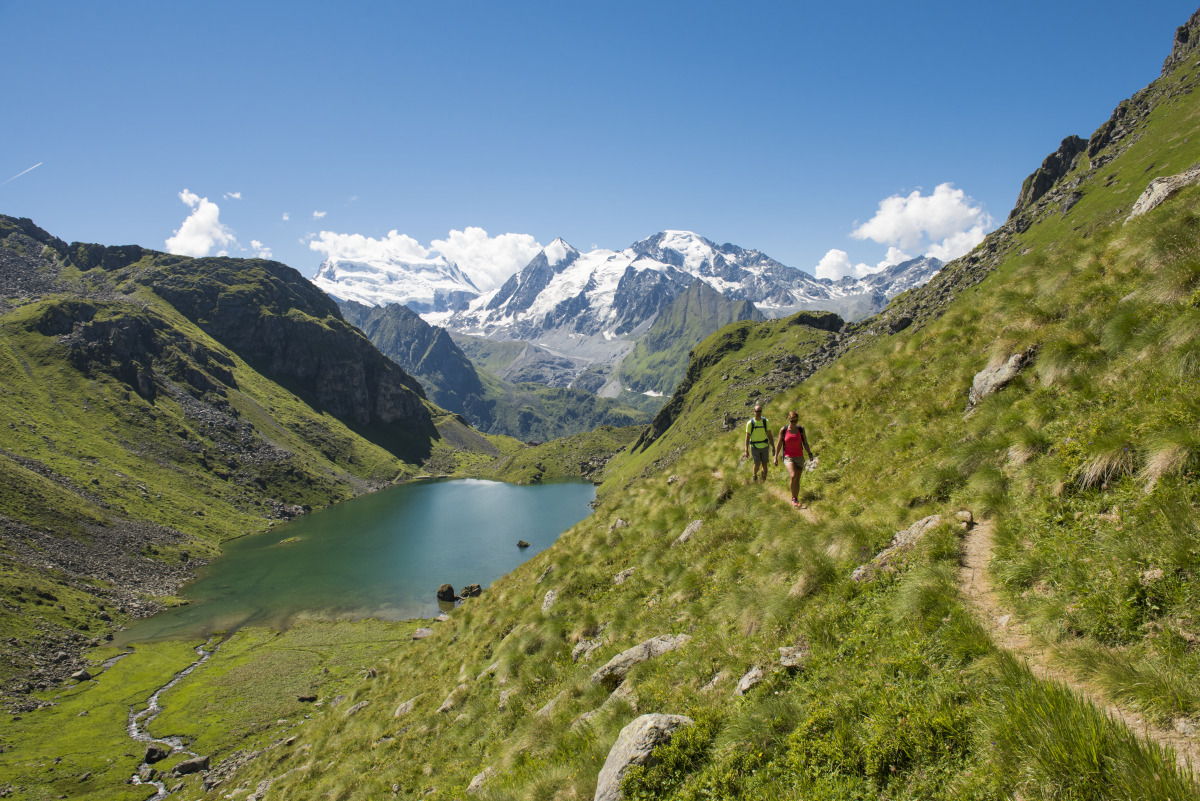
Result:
<point x="472" y="591"/>
<point x="641" y="295"/>
<point x="287" y="328"/>
<point x="1056" y="165"/>
<point x="426" y="352"/>
<point x="446" y="593"/>
<point x="155" y="753"/>
<point x="1187" y="41"/>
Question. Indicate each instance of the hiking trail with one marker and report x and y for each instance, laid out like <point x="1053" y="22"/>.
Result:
<point x="1013" y="636"/>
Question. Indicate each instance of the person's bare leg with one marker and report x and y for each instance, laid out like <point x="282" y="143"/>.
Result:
<point x="794" y="472"/>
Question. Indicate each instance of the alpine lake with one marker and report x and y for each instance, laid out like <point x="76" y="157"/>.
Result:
<point x="382" y="555"/>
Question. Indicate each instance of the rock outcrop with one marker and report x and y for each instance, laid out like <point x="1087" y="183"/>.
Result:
<point x="992" y="379"/>
<point x="616" y="669"/>
<point x="902" y="541"/>
<point x="1160" y="189"/>
<point x="634" y="746"/>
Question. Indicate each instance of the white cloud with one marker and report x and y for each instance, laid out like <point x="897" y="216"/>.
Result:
<point x="489" y="261"/>
<point x="958" y="244"/>
<point x="356" y="247"/>
<point x="319" y="214"/>
<point x="894" y="256"/>
<point x="836" y="263"/>
<point x="261" y="250"/>
<point x="202" y="230"/>
<point x="232" y="195"/>
<point x="286" y="216"/>
<point x="943" y="224"/>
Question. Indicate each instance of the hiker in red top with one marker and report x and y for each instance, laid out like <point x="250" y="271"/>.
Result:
<point x="792" y="444"/>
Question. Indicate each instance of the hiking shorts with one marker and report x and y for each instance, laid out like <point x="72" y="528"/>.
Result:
<point x="760" y="455"/>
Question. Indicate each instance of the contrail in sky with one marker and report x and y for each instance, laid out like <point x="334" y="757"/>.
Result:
<point x="22" y="172"/>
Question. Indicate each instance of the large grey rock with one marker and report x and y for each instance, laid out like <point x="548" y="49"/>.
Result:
<point x="752" y="679"/>
<point x="549" y="599"/>
<point x="479" y="780"/>
<point x="992" y="379"/>
<point x="156" y="753"/>
<point x="902" y="541"/>
<point x="634" y="746"/>
<point x="623" y="576"/>
<point x="406" y="707"/>
<point x="453" y="698"/>
<point x="1160" y="189"/>
<point x="194" y="765"/>
<point x="617" y="668"/>
<point x="692" y="530"/>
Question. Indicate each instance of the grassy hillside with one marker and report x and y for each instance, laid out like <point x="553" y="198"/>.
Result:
<point x="1084" y="466"/>
<point x="585" y="455"/>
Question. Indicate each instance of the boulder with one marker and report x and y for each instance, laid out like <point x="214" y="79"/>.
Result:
<point x="793" y="656"/>
<point x="621" y="577"/>
<point x="478" y="781"/>
<point x="902" y="541"/>
<point x="548" y="601"/>
<point x="422" y="633"/>
<point x="717" y="679"/>
<point x="689" y="532"/>
<point x="446" y="593"/>
<point x="634" y="746"/>
<point x="584" y="648"/>
<point x="81" y="675"/>
<point x="522" y="544"/>
<point x="453" y="698"/>
<point x="155" y="753"/>
<point x="617" y="668"/>
<point x="193" y="765"/>
<point x="752" y="679"/>
<point x="472" y="591"/>
<point x="992" y="379"/>
<point x="1160" y="189"/>
<point x="360" y="706"/>
<point x="406" y="707"/>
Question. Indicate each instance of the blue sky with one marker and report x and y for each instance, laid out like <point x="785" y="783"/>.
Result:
<point x="775" y="126"/>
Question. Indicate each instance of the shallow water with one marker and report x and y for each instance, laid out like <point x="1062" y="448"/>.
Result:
<point x="382" y="555"/>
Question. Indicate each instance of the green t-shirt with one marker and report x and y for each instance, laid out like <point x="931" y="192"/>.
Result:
<point x="759" y="437"/>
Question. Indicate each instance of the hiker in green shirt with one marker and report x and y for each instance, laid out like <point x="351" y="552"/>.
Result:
<point x="759" y="445"/>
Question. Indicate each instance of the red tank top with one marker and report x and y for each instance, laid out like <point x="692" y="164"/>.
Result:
<point x="793" y="444"/>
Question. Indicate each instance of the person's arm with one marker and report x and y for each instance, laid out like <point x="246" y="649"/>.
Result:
<point x="748" y="430"/>
<point x="778" y="450"/>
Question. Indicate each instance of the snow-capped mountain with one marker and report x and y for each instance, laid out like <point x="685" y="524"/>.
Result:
<point x="426" y="285"/>
<point x="615" y="294"/>
<point x="587" y="310"/>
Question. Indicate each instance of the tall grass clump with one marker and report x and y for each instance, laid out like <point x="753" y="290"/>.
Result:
<point x="1048" y="743"/>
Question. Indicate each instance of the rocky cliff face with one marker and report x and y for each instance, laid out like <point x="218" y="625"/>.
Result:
<point x="425" y="351"/>
<point x="284" y="326"/>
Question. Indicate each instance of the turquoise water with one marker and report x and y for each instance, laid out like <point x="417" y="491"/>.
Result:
<point x="382" y="555"/>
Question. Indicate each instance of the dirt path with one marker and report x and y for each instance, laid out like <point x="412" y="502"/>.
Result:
<point x="1011" y="635"/>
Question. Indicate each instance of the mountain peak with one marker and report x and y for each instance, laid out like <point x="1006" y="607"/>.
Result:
<point x="558" y="251"/>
